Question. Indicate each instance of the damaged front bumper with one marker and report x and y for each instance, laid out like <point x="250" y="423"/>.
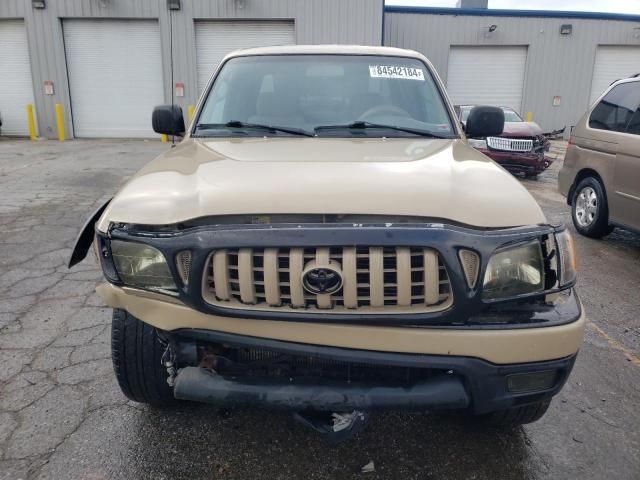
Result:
<point x="200" y="385"/>
<point x="461" y="357"/>
<point x="525" y="163"/>
<point x="550" y="333"/>
<point x="248" y="371"/>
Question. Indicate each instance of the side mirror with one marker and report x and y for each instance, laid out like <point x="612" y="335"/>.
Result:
<point x="168" y="120"/>
<point x="485" y="122"/>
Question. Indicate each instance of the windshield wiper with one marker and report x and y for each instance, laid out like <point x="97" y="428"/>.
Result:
<point x="360" y="125"/>
<point x="239" y="124"/>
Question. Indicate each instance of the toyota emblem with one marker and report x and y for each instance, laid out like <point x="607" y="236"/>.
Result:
<point x="322" y="280"/>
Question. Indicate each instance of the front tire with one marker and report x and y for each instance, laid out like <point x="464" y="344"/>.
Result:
<point x="137" y="352"/>
<point x="515" y="416"/>
<point x="589" y="209"/>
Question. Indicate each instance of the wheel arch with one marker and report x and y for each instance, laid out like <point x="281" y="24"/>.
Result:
<point x="581" y="175"/>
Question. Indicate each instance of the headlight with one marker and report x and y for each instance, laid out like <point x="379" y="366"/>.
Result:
<point x="141" y="266"/>
<point x="475" y="143"/>
<point x="514" y="271"/>
<point x="567" y="258"/>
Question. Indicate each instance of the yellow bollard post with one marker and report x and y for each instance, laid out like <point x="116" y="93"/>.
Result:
<point x="164" y="138"/>
<point x="60" y="122"/>
<point x="31" y="122"/>
<point x="191" y="109"/>
<point x="529" y="117"/>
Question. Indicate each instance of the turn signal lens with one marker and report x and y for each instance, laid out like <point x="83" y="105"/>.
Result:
<point x="141" y="266"/>
<point x="183" y="264"/>
<point x="470" y="266"/>
<point x="514" y="271"/>
<point x="568" y="261"/>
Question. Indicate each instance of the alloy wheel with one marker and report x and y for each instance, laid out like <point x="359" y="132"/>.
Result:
<point x="586" y="206"/>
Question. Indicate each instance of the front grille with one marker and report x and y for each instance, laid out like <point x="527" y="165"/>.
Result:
<point x="374" y="279"/>
<point x="510" y="144"/>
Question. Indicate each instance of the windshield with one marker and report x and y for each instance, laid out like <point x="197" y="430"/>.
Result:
<point x="511" y="116"/>
<point x="294" y="94"/>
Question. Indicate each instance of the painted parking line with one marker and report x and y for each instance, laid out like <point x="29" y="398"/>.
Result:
<point x="616" y="345"/>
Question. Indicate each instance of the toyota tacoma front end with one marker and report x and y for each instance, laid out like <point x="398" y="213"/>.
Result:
<point x="323" y="238"/>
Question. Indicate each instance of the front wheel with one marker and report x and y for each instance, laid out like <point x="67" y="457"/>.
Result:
<point x="589" y="209"/>
<point x="136" y="351"/>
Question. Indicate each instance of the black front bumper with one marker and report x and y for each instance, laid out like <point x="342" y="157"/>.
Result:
<point x="433" y="381"/>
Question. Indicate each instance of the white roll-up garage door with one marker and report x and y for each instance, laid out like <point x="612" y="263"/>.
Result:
<point x="16" y="85"/>
<point x="487" y="76"/>
<point x="214" y="39"/>
<point x="613" y="63"/>
<point x="115" y="76"/>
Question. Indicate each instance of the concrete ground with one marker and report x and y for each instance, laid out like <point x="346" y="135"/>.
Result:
<point x="63" y="416"/>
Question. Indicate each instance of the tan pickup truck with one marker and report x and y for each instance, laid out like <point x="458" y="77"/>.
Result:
<point x="324" y="239"/>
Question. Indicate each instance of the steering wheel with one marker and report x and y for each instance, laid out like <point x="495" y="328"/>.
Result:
<point x="382" y="109"/>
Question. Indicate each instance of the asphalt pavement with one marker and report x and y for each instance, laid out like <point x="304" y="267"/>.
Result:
<point x="62" y="415"/>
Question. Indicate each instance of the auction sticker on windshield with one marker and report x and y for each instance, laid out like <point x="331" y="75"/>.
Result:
<point x="387" y="71"/>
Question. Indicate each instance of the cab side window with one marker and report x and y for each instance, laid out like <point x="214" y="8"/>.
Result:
<point x="618" y="110"/>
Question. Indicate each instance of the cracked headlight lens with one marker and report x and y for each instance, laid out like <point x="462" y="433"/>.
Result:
<point x="141" y="266"/>
<point x="514" y="271"/>
<point x="568" y="263"/>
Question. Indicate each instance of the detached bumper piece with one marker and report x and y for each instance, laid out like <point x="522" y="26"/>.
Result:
<point x="198" y="384"/>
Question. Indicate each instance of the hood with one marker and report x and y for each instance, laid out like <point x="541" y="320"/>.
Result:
<point x="439" y="179"/>
<point x="521" y="129"/>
